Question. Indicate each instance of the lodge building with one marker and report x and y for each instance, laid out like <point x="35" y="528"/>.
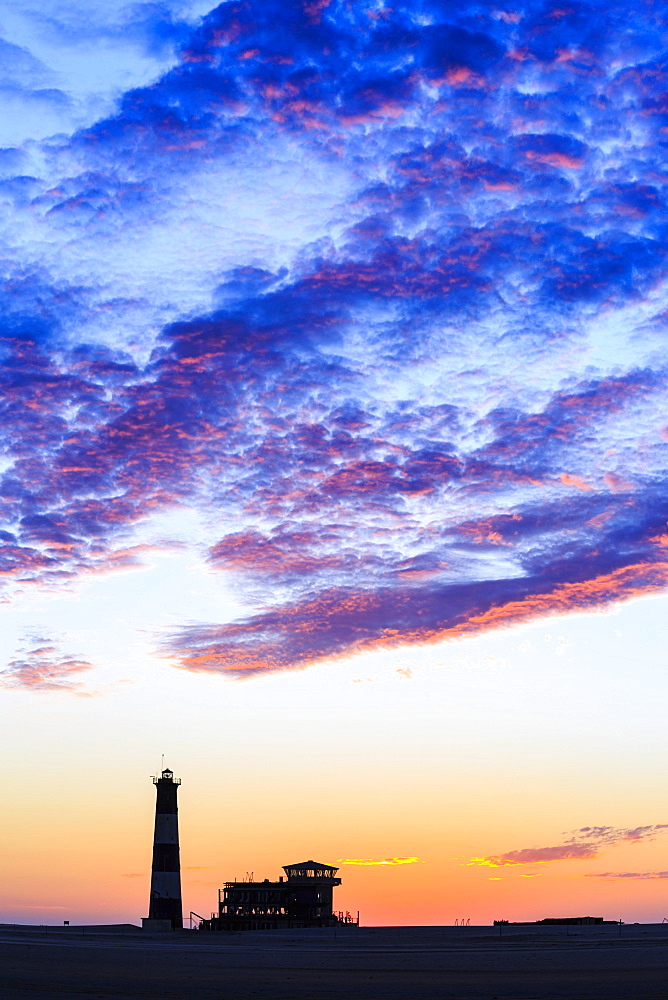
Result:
<point x="303" y="897"/>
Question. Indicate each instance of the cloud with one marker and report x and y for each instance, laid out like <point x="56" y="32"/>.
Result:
<point x="35" y="906"/>
<point x="383" y="861"/>
<point x="630" y="875"/>
<point x="539" y="855"/>
<point x="615" y="835"/>
<point x="380" y="299"/>
<point x="75" y="63"/>
<point x="41" y="666"/>
<point x="585" y="843"/>
<point x="345" y="621"/>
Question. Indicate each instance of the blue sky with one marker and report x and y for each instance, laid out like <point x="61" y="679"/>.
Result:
<point x="330" y="331"/>
<point x="378" y="301"/>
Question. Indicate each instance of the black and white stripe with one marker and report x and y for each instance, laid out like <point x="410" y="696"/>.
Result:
<point x="165" y="901"/>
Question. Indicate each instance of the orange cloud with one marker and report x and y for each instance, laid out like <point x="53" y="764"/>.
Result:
<point x="538" y="856"/>
<point x="383" y="861"/>
<point x="568" y="480"/>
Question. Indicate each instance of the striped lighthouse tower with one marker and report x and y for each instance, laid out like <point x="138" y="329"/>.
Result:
<point x="165" y="900"/>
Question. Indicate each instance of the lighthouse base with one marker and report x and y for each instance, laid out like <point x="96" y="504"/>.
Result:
<point x="154" y="926"/>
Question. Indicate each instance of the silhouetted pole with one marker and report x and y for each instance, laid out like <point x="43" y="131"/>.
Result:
<point x="165" y="900"/>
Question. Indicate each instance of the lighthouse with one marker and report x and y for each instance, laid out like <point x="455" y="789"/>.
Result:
<point x="165" y="909"/>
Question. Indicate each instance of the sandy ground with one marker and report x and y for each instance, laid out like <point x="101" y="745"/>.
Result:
<point x="366" y="964"/>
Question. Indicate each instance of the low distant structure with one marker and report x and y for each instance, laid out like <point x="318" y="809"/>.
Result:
<point x="303" y="897"/>
<point x="552" y="921"/>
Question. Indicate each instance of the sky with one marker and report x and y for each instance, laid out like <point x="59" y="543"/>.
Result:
<point x="334" y="430"/>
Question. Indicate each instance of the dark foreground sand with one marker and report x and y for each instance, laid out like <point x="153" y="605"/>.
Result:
<point x="407" y="963"/>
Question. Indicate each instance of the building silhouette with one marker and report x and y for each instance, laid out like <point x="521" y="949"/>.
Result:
<point x="553" y="921"/>
<point x="303" y="897"/>
<point x="165" y="910"/>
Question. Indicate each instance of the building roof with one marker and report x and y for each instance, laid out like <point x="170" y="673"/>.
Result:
<point x="314" y="865"/>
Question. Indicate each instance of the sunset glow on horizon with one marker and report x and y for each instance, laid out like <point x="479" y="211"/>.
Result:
<point x="334" y="436"/>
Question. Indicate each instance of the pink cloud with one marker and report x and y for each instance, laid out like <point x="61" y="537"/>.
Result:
<point x="41" y="666"/>
<point x="585" y="843"/>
